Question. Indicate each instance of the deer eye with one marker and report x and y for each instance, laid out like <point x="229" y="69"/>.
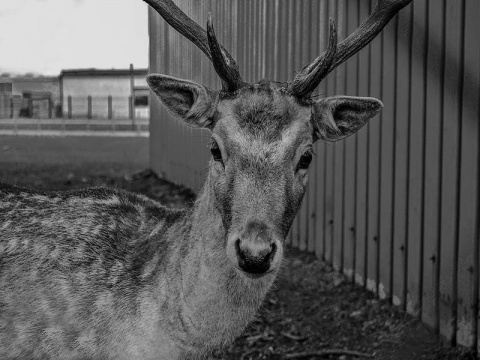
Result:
<point x="216" y="153"/>
<point x="305" y="160"/>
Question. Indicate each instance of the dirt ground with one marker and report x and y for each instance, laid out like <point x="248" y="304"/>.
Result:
<point x="311" y="313"/>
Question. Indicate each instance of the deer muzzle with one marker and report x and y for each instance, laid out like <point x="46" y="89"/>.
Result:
<point x="255" y="249"/>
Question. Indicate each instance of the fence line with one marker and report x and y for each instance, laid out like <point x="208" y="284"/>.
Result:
<point x="396" y="207"/>
<point x="75" y="127"/>
<point x="86" y="133"/>
<point x="90" y="107"/>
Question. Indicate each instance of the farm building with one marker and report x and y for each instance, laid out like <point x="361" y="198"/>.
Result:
<point x="38" y="95"/>
<point x="109" y="92"/>
<point x="31" y="85"/>
<point x="395" y="207"/>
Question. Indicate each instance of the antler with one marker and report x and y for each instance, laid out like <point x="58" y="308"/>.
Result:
<point x="310" y="76"/>
<point x="223" y="62"/>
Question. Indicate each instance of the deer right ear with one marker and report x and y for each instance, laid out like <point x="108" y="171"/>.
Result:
<point x="337" y="117"/>
<point x="191" y="102"/>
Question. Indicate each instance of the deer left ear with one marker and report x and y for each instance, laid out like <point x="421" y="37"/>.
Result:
<point x="190" y="102"/>
<point x="337" y="117"/>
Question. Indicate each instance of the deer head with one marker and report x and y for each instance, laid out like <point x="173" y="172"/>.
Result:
<point x="263" y="134"/>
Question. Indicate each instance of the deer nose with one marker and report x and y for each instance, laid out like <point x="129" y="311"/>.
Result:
<point x="255" y="258"/>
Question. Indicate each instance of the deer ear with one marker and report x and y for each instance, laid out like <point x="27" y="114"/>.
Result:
<point x="337" y="117"/>
<point x="193" y="103"/>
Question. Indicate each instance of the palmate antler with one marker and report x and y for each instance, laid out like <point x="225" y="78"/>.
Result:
<point x="311" y="75"/>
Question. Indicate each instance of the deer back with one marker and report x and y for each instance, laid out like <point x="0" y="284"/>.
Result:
<point x="77" y="271"/>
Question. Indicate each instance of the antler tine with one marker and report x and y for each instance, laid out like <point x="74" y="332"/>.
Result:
<point x="383" y="12"/>
<point x="311" y="75"/>
<point x="222" y="63"/>
<point x="176" y="18"/>
<point x="381" y="15"/>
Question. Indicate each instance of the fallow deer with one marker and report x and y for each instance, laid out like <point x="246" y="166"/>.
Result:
<point x="107" y="274"/>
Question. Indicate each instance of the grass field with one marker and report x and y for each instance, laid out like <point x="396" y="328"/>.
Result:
<point x="54" y="163"/>
<point x="74" y="127"/>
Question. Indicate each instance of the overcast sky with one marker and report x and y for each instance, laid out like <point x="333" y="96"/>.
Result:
<point x="46" y="36"/>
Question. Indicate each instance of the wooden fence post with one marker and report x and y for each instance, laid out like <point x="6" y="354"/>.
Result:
<point x="69" y="102"/>
<point x="89" y="107"/>
<point x="133" y="117"/>
<point x="12" y="107"/>
<point x="30" y="108"/>
<point x="110" y="112"/>
<point x="110" y="106"/>
<point x="130" y="108"/>
<point x="132" y="97"/>
<point x="12" y="114"/>
<point x="50" y="108"/>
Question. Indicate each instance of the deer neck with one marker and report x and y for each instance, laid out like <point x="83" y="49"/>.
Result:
<point x="217" y="300"/>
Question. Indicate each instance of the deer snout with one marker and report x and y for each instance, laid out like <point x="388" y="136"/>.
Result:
<point x="255" y="258"/>
<point x="256" y="249"/>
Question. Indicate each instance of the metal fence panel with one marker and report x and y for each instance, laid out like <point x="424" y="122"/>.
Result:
<point x="450" y="164"/>
<point x="433" y="116"/>
<point x="338" y="190"/>
<point x="374" y="154"/>
<point x="395" y="207"/>
<point x="468" y="255"/>
<point x="362" y="165"/>
<point x="401" y="161"/>
<point x="416" y="166"/>
<point x="350" y="154"/>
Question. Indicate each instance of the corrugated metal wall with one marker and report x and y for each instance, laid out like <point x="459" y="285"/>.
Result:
<point x="395" y="207"/>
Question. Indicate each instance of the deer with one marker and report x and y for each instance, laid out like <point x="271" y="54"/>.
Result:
<point x="103" y="273"/>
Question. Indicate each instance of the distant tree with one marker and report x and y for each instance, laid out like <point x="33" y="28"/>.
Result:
<point x="6" y="75"/>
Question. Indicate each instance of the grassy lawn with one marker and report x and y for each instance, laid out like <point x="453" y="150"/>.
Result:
<point x="54" y="163"/>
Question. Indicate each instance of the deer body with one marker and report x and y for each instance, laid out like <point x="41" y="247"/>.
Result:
<point x="106" y="274"/>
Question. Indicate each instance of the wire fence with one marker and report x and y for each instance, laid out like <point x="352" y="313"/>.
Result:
<point x="102" y="115"/>
<point x="91" y="107"/>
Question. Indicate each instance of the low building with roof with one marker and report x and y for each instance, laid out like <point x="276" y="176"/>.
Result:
<point x="30" y="96"/>
<point x="118" y="93"/>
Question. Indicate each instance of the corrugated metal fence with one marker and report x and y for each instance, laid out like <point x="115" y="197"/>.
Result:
<point x="395" y="207"/>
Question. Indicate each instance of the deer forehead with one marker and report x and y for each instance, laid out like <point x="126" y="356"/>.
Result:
<point x="264" y="124"/>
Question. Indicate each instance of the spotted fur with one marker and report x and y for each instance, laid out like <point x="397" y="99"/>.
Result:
<point x="106" y="274"/>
